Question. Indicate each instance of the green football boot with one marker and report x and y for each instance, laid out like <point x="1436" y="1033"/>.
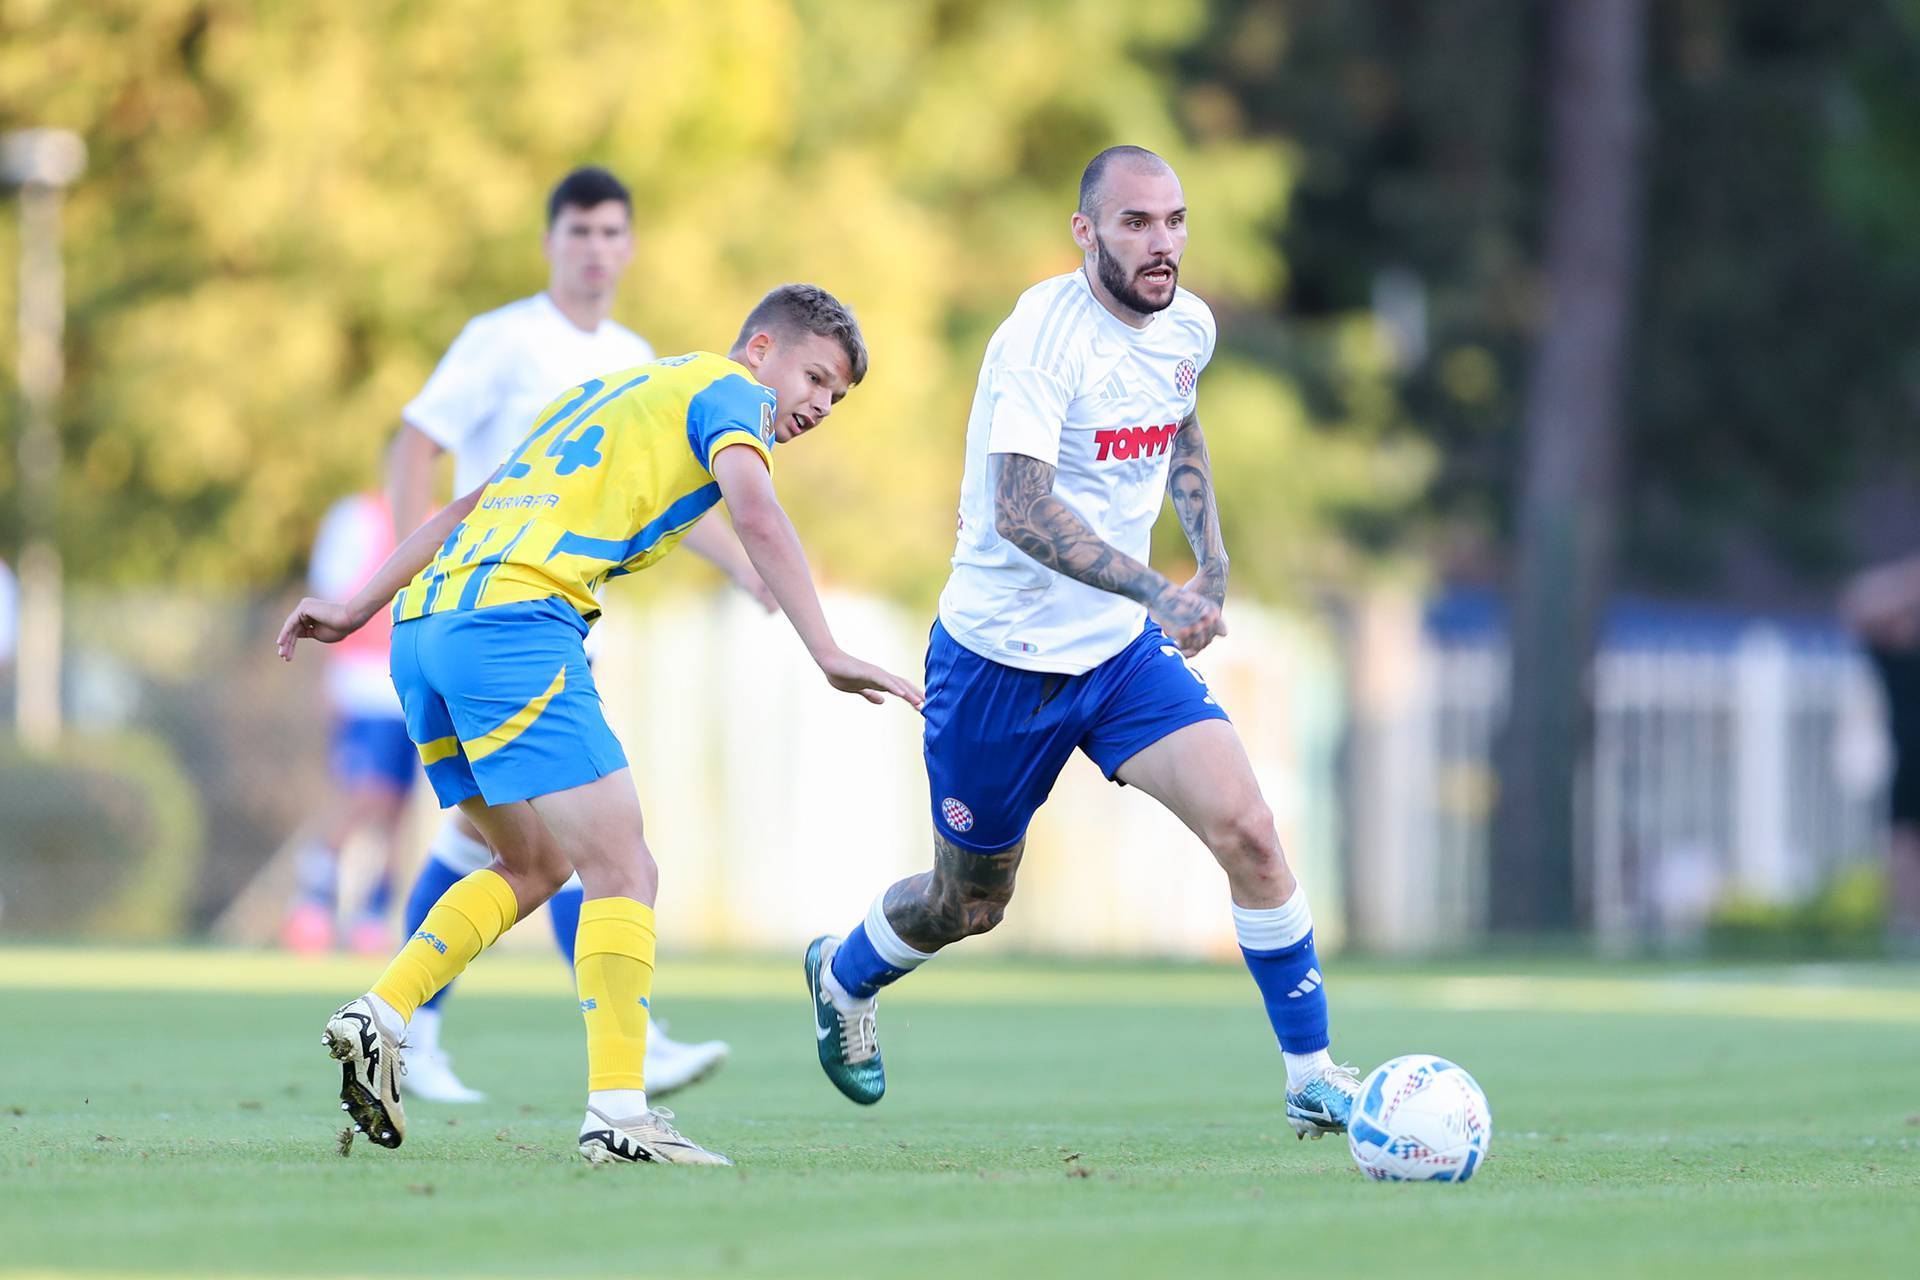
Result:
<point x="1324" y="1104"/>
<point x="849" y="1053"/>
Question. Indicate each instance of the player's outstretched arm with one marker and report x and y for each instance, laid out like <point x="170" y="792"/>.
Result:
<point x="410" y="461"/>
<point x="773" y="546"/>
<point x="1027" y="514"/>
<point x="714" y="542"/>
<point x="330" y="621"/>
<point x="1190" y="485"/>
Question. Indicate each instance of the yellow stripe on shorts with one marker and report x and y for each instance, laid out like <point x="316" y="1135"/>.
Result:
<point x="437" y="750"/>
<point x="482" y="747"/>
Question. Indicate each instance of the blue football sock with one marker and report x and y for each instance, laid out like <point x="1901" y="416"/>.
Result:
<point x="380" y="897"/>
<point x="435" y="878"/>
<point x="563" y="911"/>
<point x="1278" y="945"/>
<point x="873" y="956"/>
<point x="1295" y="995"/>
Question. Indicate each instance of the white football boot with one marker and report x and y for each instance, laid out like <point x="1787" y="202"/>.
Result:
<point x="645" y="1139"/>
<point x="672" y="1064"/>
<point x="430" y="1076"/>
<point x="370" y="1067"/>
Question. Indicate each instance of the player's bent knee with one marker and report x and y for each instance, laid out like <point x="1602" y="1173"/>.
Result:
<point x="985" y="914"/>
<point x="1246" y="835"/>
<point x="981" y="911"/>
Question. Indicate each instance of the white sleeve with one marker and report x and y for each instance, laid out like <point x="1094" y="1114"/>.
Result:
<point x="1029" y="409"/>
<point x="1210" y="332"/>
<point x="463" y="391"/>
<point x="340" y="551"/>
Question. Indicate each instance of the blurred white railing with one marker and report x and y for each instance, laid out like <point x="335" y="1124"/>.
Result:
<point x="1751" y="768"/>
<point x="778" y="808"/>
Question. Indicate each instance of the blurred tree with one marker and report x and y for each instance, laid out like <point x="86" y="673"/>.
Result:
<point x="1570" y="460"/>
<point x="1773" y="362"/>
<point x="291" y="209"/>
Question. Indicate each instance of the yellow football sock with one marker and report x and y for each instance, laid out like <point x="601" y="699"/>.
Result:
<point x="470" y="915"/>
<point x="613" y="962"/>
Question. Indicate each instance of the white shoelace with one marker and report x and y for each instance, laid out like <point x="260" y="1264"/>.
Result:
<point x="1344" y="1078"/>
<point x="659" y="1120"/>
<point x="858" y="1039"/>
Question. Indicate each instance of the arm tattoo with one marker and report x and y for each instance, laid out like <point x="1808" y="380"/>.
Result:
<point x="965" y="893"/>
<point x="1028" y="515"/>
<point x="1190" y="485"/>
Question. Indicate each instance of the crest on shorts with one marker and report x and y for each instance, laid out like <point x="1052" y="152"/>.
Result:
<point x="958" y="816"/>
<point x="1185" y="374"/>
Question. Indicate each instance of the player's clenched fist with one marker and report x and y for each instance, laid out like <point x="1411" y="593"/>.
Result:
<point x="1190" y="620"/>
<point x="327" y="621"/>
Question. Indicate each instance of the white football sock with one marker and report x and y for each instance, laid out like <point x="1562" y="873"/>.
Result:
<point x="316" y="873"/>
<point x="1303" y="1068"/>
<point x="887" y="943"/>
<point x="1274" y="928"/>
<point x="423" y="1033"/>
<point x="618" y="1104"/>
<point x="842" y="1001"/>
<point x="390" y="1020"/>
<point x="454" y="848"/>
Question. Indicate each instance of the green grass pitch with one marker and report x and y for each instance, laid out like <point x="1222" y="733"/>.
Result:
<point x="172" y="1113"/>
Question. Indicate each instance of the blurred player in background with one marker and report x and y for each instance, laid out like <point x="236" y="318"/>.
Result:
<point x="1054" y="635"/>
<point x="495" y="595"/>
<point x="1883" y="605"/>
<point x="371" y="760"/>
<point x="480" y="403"/>
<point x="9" y="629"/>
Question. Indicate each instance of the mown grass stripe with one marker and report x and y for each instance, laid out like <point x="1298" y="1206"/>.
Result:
<point x="1023" y="983"/>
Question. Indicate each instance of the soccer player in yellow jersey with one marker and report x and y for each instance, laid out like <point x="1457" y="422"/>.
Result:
<point x="494" y="595"/>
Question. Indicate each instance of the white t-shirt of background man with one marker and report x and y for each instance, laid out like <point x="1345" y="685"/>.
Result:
<point x="356" y="536"/>
<point x="1066" y="382"/>
<point x="504" y="368"/>
<point x="9" y="613"/>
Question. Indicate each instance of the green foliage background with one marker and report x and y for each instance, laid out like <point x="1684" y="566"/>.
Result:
<point x="290" y="210"/>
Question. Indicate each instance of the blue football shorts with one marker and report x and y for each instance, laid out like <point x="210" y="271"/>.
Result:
<point x="501" y="702"/>
<point x="997" y="737"/>
<point x="373" y="749"/>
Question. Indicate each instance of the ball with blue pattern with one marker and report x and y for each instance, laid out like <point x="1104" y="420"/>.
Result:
<point x="1420" y="1119"/>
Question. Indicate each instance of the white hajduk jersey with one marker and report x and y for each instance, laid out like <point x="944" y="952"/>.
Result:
<point x="504" y="368"/>
<point x="1066" y="382"/>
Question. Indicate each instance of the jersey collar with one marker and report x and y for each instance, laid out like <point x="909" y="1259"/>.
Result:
<point x="1114" y="324"/>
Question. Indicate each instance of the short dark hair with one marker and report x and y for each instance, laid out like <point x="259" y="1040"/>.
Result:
<point x="794" y="309"/>
<point x="1094" y="177"/>
<point x="586" y="188"/>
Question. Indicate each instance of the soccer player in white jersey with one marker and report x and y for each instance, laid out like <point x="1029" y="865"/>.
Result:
<point x="372" y="761"/>
<point x="478" y="405"/>
<point x="1054" y="634"/>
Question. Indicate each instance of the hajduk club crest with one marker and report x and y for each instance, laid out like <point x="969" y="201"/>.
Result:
<point x="958" y="816"/>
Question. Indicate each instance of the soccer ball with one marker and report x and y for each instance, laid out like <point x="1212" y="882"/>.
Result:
<point x="1419" y="1119"/>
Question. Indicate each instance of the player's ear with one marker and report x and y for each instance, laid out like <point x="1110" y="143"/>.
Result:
<point x="758" y="348"/>
<point x="1082" y="231"/>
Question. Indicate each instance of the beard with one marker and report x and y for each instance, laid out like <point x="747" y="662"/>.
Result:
<point x="1121" y="284"/>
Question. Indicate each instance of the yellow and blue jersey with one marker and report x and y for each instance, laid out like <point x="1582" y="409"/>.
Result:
<point x="613" y="473"/>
